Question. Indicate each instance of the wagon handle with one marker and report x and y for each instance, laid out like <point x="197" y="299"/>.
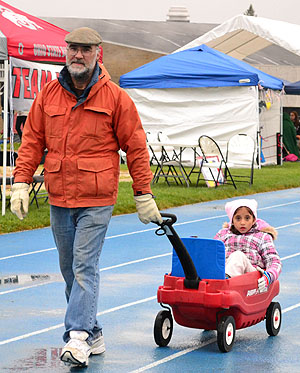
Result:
<point x="191" y="280"/>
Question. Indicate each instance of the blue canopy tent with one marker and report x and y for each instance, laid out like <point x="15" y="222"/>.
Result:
<point x="197" y="67"/>
<point x="292" y="88"/>
<point x="202" y="91"/>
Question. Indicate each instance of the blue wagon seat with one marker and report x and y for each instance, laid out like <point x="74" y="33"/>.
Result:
<point x="208" y="256"/>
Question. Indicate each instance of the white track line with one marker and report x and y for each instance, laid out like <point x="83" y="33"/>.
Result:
<point x="29" y="253"/>
<point x="288" y="225"/>
<point x="116" y="266"/>
<point x="190" y="349"/>
<point x="101" y="270"/>
<point x="289" y="256"/>
<point x="135" y="262"/>
<point x="225" y="215"/>
<point x="279" y="205"/>
<point x="291" y="308"/>
<point x="152" y="229"/>
<point x="46" y="330"/>
<point x="126" y="305"/>
<point x="24" y="336"/>
<point x="131" y="233"/>
<point x="26" y="287"/>
<point x="172" y="357"/>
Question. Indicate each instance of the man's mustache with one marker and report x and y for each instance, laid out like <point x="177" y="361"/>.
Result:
<point x="78" y="61"/>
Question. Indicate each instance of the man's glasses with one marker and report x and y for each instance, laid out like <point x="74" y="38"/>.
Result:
<point x="85" y="51"/>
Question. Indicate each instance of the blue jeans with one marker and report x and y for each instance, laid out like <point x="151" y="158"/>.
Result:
<point x="79" y="235"/>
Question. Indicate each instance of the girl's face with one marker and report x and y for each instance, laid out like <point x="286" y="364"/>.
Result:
<point x="243" y="220"/>
<point x="292" y="117"/>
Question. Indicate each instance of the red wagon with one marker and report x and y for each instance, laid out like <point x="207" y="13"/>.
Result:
<point x="221" y="305"/>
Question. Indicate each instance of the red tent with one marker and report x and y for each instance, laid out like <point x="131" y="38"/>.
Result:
<point x="25" y="37"/>
<point x="28" y="37"/>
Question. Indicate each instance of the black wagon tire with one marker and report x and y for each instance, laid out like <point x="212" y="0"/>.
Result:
<point x="163" y="328"/>
<point x="273" y="319"/>
<point x="226" y="333"/>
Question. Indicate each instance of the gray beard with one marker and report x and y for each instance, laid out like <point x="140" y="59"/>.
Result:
<point x="82" y="76"/>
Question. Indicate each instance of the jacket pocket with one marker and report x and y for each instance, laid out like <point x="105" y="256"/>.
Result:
<point x="96" y="178"/>
<point x="54" y="120"/>
<point x="53" y="176"/>
<point x="97" y="122"/>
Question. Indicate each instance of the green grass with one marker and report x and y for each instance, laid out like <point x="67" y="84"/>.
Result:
<point x="16" y="146"/>
<point x="267" y="179"/>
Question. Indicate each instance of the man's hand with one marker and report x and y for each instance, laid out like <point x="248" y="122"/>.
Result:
<point x="19" y="200"/>
<point x="264" y="281"/>
<point x="147" y="209"/>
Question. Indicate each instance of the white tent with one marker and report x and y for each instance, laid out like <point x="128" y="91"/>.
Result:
<point x="242" y="36"/>
<point x="201" y="91"/>
<point x="185" y="114"/>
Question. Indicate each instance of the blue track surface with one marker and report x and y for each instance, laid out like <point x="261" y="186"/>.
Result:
<point x="133" y="263"/>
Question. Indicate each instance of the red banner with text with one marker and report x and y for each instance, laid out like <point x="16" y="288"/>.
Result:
<point x="27" y="79"/>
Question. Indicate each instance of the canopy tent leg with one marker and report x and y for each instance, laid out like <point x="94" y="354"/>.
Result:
<point x="5" y="127"/>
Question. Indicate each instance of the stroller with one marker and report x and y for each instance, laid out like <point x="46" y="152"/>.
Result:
<point x="224" y="305"/>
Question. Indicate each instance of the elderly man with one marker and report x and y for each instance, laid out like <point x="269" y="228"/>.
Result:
<point x="83" y="119"/>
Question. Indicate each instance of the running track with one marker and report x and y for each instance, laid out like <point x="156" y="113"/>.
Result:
<point x="132" y="266"/>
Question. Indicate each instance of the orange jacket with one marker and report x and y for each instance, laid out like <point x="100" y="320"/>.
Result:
<point x="82" y="164"/>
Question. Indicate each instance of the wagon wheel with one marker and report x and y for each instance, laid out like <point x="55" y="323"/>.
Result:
<point x="273" y="318"/>
<point x="226" y="333"/>
<point x="163" y="328"/>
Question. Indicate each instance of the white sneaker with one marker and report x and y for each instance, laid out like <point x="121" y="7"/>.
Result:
<point x="77" y="351"/>
<point x="98" y="346"/>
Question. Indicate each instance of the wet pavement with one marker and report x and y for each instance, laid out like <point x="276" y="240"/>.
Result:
<point x="132" y="265"/>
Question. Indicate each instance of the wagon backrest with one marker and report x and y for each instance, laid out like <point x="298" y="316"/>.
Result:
<point x="208" y="256"/>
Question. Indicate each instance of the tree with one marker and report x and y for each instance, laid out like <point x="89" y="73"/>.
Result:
<point x="250" y="11"/>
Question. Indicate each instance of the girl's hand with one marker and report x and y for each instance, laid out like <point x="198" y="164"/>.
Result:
<point x="264" y="281"/>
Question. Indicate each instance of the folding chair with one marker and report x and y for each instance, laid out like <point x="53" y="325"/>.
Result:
<point x="171" y="164"/>
<point x="241" y="154"/>
<point x="35" y="193"/>
<point x="154" y="151"/>
<point x="169" y="150"/>
<point x="213" y="163"/>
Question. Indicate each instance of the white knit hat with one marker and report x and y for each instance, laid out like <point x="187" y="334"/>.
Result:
<point x="232" y="206"/>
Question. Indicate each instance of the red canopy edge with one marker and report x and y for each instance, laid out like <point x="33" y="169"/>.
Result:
<point x="31" y="38"/>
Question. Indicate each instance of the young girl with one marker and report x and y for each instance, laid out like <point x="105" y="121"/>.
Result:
<point x="249" y="243"/>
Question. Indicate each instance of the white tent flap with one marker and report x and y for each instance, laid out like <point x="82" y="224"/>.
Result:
<point x="187" y="113"/>
<point x="3" y="47"/>
<point x="242" y="35"/>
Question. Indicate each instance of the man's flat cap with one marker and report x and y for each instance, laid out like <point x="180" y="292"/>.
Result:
<point x="83" y="35"/>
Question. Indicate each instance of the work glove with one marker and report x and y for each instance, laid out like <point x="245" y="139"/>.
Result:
<point x="264" y="281"/>
<point x="147" y="209"/>
<point x="19" y="200"/>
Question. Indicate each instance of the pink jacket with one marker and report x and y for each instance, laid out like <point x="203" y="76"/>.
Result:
<point x="258" y="246"/>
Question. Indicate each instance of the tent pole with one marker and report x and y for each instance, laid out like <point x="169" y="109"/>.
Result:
<point x="281" y="129"/>
<point x="258" y="131"/>
<point x="5" y="126"/>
